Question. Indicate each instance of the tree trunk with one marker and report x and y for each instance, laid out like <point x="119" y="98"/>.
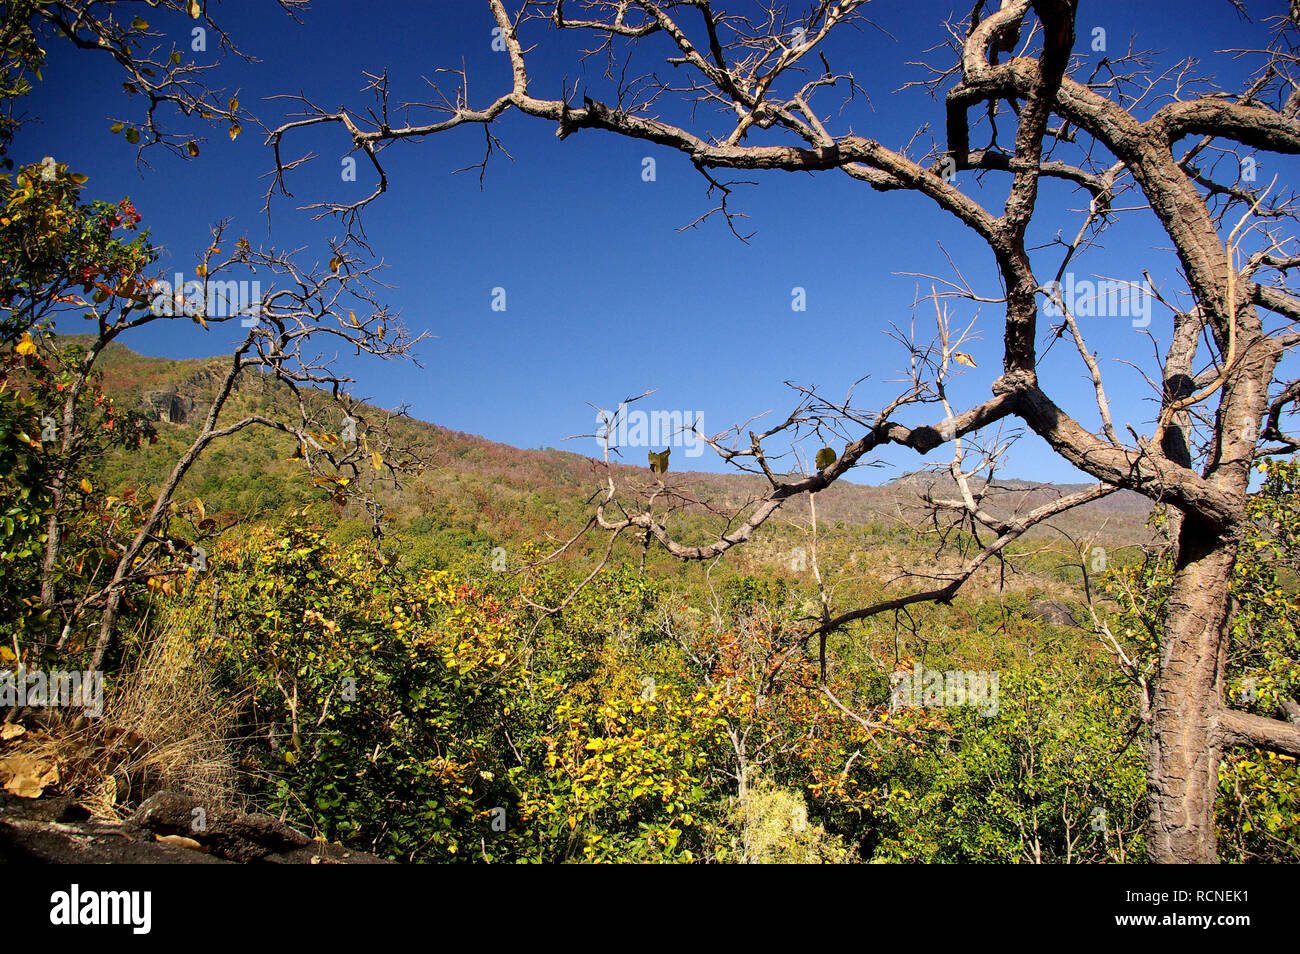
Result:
<point x="107" y="624"/>
<point x="1183" y="755"/>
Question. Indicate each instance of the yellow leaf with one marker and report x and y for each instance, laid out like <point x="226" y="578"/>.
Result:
<point x="86" y="486"/>
<point x="25" y="346"/>
<point x="377" y="460"/>
<point x="28" y="778"/>
<point x="201" y="271"/>
<point x="196" y="9"/>
<point x="180" y="841"/>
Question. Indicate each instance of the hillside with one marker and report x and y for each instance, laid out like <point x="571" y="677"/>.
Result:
<point x="477" y="492"/>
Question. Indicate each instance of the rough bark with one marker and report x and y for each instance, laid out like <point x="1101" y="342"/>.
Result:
<point x="1183" y="753"/>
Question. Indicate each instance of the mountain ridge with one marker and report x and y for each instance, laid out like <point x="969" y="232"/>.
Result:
<point x="174" y="392"/>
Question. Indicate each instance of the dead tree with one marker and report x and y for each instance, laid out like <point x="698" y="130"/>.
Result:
<point x="1171" y="144"/>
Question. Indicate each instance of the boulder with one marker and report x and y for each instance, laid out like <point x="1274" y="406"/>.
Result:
<point x="1052" y="612"/>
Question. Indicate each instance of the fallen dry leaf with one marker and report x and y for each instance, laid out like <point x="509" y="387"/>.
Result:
<point x="28" y="777"/>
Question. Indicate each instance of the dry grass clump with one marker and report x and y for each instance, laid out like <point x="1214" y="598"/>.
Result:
<point x="168" y="700"/>
<point x="164" y="728"/>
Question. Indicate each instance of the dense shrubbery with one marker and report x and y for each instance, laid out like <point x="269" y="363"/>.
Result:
<point x="1054" y="777"/>
<point x="396" y="710"/>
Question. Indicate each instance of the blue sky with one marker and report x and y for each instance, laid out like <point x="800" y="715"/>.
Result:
<point x="605" y="298"/>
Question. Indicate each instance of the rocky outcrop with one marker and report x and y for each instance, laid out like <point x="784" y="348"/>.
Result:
<point x="166" y="829"/>
<point x="190" y="398"/>
<point x="1053" y="613"/>
<point x="168" y="406"/>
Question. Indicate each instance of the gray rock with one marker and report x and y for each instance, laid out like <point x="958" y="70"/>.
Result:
<point x="58" y="831"/>
<point x="239" y="836"/>
<point x="1052" y="612"/>
<point x="168" y="406"/>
